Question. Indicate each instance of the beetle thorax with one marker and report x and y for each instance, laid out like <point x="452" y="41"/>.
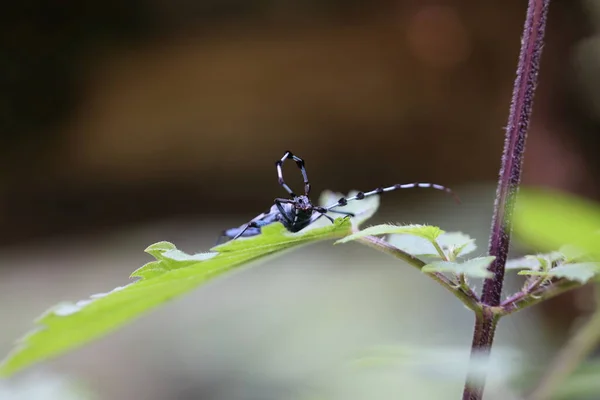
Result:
<point x="302" y="203"/>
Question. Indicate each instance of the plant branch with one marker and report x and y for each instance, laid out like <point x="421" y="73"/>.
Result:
<point x="469" y="298"/>
<point x="439" y="250"/>
<point x="510" y="177"/>
<point x="523" y="299"/>
<point x="464" y="284"/>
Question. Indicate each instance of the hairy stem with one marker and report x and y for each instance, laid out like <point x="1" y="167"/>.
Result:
<point x="510" y="176"/>
<point x="514" y="146"/>
<point x="485" y="328"/>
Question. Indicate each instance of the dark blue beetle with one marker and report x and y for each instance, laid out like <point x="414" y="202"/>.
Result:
<point x="297" y="212"/>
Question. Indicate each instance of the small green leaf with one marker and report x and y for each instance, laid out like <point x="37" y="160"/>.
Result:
<point x="167" y="259"/>
<point x="538" y="262"/>
<point x="415" y="245"/>
<point x="455" y="243"/>
<point x="425" y="231"/>
<point x="528" y="262"/>
<point x="581" y="272"/>
<point x="362" y="209"/>
<point x="173" y="273"/>
<point x="156" y="249"/>
<point x="474" y="268"/>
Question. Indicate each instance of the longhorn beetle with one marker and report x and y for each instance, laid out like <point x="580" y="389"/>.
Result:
<point x="298" y="212"/>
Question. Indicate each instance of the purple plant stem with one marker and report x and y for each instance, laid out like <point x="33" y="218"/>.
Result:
<point x="508" y="184"/>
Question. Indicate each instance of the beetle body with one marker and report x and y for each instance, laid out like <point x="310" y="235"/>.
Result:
<point x="297" y="212"/>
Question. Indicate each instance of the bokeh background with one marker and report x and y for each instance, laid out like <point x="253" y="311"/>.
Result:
<point x="126" y="123"/>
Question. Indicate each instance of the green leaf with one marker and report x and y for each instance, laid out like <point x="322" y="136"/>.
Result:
<point x="415" y="245"/>
<point x="425" y="231"/>
<point x="456" y="243"/>
<point x="474" y="268"/>
<point x="581" y="272"/>
<point x="362" y="209"/>
<point x="525" y="263"/>
<point x="173" y="273"/>
<point x="157" y="249"/>
<point x="536" y="262"/>
<point x="549" y="219"/>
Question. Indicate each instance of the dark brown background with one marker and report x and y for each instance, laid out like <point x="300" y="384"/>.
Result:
<point x="114" y="112"/>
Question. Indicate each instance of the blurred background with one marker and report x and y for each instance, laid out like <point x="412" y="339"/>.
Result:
<point x="126" y="123"/>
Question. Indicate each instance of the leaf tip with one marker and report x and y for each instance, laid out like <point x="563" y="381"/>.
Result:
<point x="158" y="248"/>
